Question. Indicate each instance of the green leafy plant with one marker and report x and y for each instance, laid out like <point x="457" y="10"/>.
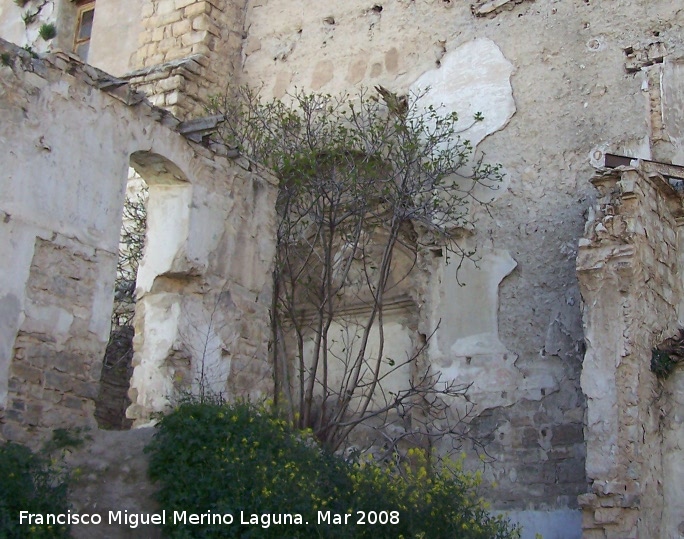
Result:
<point x="667" y="355"/>
<point x="21" y="3"/>
<point x="6" y="59"/>
<point x="30" y="482"/>
<point x="662" y="364"/>
<point x="47" y="31"/>
<point x="240" y="458"/>
<point x="29" y="17"/>
<point x="65" y="440"/>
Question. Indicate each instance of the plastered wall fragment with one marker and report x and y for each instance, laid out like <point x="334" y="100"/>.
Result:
<point x="60" y="229"/>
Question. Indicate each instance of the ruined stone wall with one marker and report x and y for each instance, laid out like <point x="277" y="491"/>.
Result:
<point x="628" y="267"/>
<point x="559" y="84"/>
<point x="211" y="240"/>
<point x="179" y="52"/>
<point x="189" y="51"/>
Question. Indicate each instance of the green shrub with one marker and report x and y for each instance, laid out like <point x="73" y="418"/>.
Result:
<point x="47" y="31"/>
<point x="28" y="482"/>
<point x="232" y="458"/>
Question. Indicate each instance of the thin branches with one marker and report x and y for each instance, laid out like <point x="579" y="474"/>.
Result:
<point x="365" y="184"/>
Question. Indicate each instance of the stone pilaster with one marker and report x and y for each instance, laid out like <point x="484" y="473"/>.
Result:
<point x="628" y="275"/>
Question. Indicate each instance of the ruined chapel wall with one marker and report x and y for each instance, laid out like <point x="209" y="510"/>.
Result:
<point x="568" y="85"/>
<point x="61" y="215"/>
<point x="631" y="287"/>
<point x="206" y="313"/>
<point x="56" y="250"/>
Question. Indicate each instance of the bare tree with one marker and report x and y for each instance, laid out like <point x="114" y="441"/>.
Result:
<point x="366" y="184"/>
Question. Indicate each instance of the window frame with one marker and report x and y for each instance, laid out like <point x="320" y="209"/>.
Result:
<point x="81" y="8"/>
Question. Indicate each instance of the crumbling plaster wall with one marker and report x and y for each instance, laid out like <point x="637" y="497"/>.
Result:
<point x="576" y="95"/>
<point x="60" y="221"/>
<point x="179" y="52"/>
<point x="188" y="51"/>
<point x="628" y="268"/>
<point x="585" y="78"/>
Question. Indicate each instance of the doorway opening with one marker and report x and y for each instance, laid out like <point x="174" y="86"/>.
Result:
<point x="117" y="367"/>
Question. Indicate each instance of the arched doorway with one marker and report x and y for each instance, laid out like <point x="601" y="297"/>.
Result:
<point x="154" y="227"/>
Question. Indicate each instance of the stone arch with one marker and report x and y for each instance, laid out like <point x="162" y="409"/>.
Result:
<point x="60" y="217"/>
<point x="168" y="217"/>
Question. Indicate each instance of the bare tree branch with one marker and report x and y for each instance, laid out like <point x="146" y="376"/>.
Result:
<point x="366" y="182"/>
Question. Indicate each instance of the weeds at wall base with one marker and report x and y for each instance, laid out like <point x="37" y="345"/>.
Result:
<point x="33" y="482"/>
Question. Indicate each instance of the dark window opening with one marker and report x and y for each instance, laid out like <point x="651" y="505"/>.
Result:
<point x="84" y="28"/>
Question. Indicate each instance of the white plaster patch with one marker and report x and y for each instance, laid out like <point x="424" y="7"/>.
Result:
<point x="467" y="346"/>
<point x="10" y="15"/>
<point x="395" y="370"/>
<point x="48" y="320"/>
<point x="477" y="345"/>
<point x="598" y="384"/>
<point x="473" y="78"/>
<point x="168" y="214"/>
<point x="636" y="148"/>
<point x="157" y="319"/>
<point x="17" y="243"/>
<point x="468" y="305"/>
<point x="201" y="333"/>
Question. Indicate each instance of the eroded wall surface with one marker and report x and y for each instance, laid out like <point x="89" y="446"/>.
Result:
<point x="628" y="267"/>
<point x="561" y="83"/>
<point x="207" y="270"/>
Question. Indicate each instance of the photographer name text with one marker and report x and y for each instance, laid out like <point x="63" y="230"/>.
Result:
<point x="264" y="520"/>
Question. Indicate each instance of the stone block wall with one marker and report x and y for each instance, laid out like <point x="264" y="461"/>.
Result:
<point x="631" y="287"/>
<point x="55" y="369"/>
<point x="189" y="51"/>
